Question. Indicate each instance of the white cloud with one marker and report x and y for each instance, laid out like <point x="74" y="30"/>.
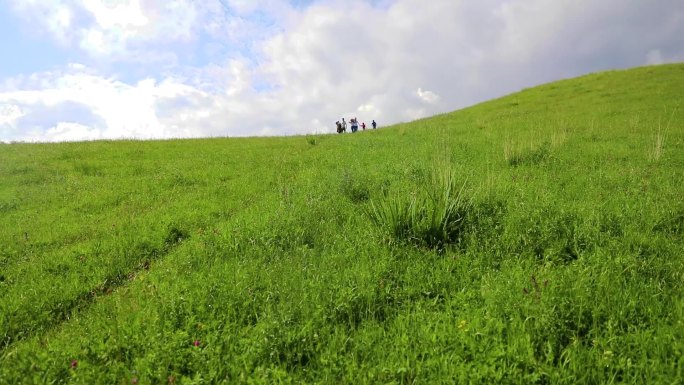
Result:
<point x="109" y="15"/>
<point x="125" y="110"/>
<point x="54" y="17"/>
<point x="9" y="113"/>
<point x="113" y="28"/>
<point x="65" y="131"/>
<point x="427" y="96"/>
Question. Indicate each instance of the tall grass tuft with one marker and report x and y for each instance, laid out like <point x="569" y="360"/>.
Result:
<point x="516" y="156"/>
<point x="657" y="144"/>
<point x="434" y="218"/>
<point x="312" y="140"/>
<point x="658" y="140"/>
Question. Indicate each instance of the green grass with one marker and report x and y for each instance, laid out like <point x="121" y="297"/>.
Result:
<point x="535" y="238"/>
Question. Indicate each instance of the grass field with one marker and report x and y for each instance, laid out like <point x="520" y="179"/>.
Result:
<point x="533" y="239"/>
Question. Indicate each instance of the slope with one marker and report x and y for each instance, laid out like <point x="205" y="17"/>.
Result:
<point x="532" y="238"/>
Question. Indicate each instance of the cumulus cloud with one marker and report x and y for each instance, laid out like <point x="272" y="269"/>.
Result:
<point x="116" y="29"/>
<point x="46" y="105"/>
<point x="427" y="96"/>
<point x="9" y="114"/>
<point x="269" y="67"/>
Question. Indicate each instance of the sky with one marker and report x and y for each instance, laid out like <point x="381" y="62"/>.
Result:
<point x="151" y="69"/>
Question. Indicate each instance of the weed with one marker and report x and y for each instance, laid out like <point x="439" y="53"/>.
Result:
<point x="671" y="224"/>
<point x="312" y="140"/>
<point x="355" y="188"/>
<point x="658" y="139"/>
<point x="657" y="144"/>
<point x="88" y="169"/>
<point x="175" y="236"/>
<point x="559" y="137"/>
<point x="6" y="207"/>
<point x="554" y="236"/>
<point x="516" y="156"/>
<point x="481" y="124"/>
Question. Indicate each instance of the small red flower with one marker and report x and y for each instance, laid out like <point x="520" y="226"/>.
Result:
<point x="196" y="343"/>
<point x="74" y="364"/>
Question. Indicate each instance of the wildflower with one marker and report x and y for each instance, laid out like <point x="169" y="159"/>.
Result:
<point x="196" y="343"/>
<point x="463" y="325"/>
<point x="74" y="364"/>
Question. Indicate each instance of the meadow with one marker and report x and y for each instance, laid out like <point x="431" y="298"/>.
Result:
<point x="532" y="239"/>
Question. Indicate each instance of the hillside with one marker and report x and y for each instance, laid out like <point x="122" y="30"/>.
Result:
<point x="535" y="238"/>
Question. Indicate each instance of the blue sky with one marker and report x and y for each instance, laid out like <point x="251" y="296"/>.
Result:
<point x="30" y="53"/>
<point x="109" y="69"/>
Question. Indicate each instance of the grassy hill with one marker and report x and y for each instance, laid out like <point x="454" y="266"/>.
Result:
<point x="536" y="238"/>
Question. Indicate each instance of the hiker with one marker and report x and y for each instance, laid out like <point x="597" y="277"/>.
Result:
<point x="363" y="126"/>
<point x="344" y="125"/>
<point x="354" y="125"/>
<point x="375" y="125"/>
<point x="339" y="127"/>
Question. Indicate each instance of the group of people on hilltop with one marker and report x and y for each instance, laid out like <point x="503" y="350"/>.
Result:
<point x="354" y="124"/>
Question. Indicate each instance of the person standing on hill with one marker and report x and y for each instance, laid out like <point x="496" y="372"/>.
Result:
<point x="375" y="125"/>
<point x="344" y="125"/>
<point x="338" y="125"/>
<point x="354" y="125"/>
<point x="363" y="126"/>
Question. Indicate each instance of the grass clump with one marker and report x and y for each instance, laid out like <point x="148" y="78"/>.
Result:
<point x="655" y="151"/>
<point x="672" y="224"/>
<point x="553" y="236"/>
<point x="312" y="140"/>
<point x="355" y="188"/>
<point x="516" y="156"/>
<point x="434" y="218"/>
